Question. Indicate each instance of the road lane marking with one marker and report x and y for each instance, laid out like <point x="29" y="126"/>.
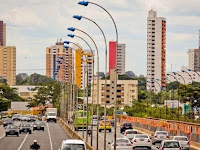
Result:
<point x="49" y="136"/>
<point x="103" y="137"/>
<point x="2" y="136"/>
<point x="23" y="141"/>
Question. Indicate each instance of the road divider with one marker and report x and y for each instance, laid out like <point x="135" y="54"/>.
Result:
<point x="73" y="134"/>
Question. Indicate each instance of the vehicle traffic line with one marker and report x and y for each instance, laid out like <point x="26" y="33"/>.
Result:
<point x="49" y="136"/>
<point x="2" y="136"/>
<point x="23" y="142"/>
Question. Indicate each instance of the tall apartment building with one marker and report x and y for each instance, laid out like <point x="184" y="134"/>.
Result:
<point x="194" y="58"/>
<point x="127" y="91"/>
<point x="8" y="64"/>
<point x="2" y="33"/>
<point x="120" y="57"/>
<point x="156" y="51"/>
<point x="87" y="66"/>
<point x="59" y="57"/>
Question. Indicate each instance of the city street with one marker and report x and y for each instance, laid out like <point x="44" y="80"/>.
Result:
<point x="49" y="139"/>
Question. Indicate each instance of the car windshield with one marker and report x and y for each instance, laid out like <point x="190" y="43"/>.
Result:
<point x="51" y="114"/>
<point x="16" y="116"/>
<point x="131" y="132"/>
<point x="73" y="147"/>
<point x="141" y="136"/>
<point x="38" y="123"/>
<point x="122" y="141"/>
<point x="26" y="125"/>
<point x="32" y="116"/>
<point x="181" y="139"/>
<point x="127" y="124"/>
<point x="163" y="133"/>
<point x="12" y="127"/>
<point x="171" y="145"/>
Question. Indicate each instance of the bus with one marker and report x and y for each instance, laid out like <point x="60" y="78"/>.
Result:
<point x="80" y="120"/>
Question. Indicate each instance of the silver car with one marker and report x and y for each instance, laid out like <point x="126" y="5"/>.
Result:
<point x="12" y="130"/>
<point x="141" y="141"/>
<point x="183" y="141"/>
<point x="121" y="144"/>
<point x="169" y="145"/>
<point x="16" y="117"/>
<point x="130" y="134"/>
<point x="159" y="136"/>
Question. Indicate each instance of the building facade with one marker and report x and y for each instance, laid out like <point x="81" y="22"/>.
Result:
<point x="2" y="33"/>
<point x="127" y="91"/>
<point x="156" y="51"/>
<point x="119" y="55"/>
<point x="194" y="58"/>
<point x="8" y="64"/>
<point x="59" y="62"/>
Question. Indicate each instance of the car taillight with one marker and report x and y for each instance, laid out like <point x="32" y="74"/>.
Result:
<point x="149" y="140"/>
<point x="168" y="136"/>
<point x="188" y="143"/>
<point x="129" y="144"/>
<point x="135" y="140"/>
<point x="180" y="148"/>
<point x="125" y="133"/>
<point x="155" y="136"/>
<point x="162" y="148"/>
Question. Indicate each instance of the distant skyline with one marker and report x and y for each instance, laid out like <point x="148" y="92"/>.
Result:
<point x="35" y="24"/>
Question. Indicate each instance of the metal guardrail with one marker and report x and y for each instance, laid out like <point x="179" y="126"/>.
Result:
<point x="73" y="134"/>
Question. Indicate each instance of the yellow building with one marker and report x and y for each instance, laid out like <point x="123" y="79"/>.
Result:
<point x="78" y="61"/>
<point x="8" y="64"/>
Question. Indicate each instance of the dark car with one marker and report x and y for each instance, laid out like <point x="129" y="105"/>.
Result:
<point x="38" y="125"/>
<point x="125" y="126"/>
<point x="25" y="127"/>
<point x="112" y="121"/>
<point x="7" y="121"/>
<point x="12" y="130"/>
<point x="32" y="118"/>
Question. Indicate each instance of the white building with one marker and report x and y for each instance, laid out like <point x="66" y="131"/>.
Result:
<point x="121" y="58"/>
<point x="156" y="52"/>
<point x="194" y="58"/>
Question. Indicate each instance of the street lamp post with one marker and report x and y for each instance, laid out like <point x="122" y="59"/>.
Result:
<point x="85" y="3"/>
<point x="150" y="96"/>
<point x="72" y="36"/>
<point x="105" y="103"/>
<point x="73" y="29"/>
<point x="178" y="89"/>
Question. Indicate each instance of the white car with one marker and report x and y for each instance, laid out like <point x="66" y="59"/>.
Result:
<point x="159" y="136"/>
<point x="94" y="122"/>
<point x="130" y="134"/>
<point x="183" y="141"/>
<point x="24" y="118"/>
<point x="169" y="145"/>
<point x="73" y="144"/>
<point x="141" y="141"/>
<point x="121" y="144"/>
<point x="16" y="117"/>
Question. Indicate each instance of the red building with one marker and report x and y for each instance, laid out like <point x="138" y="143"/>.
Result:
<point x="112" y="55"/>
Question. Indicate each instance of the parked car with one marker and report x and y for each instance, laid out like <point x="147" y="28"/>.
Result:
<point x="25" y="127"/>
<point x="183" y="141"/>
<point x="159" y="136"/>
<point x="108" y="126"/>
<point x="38" y="125"/>
<point x="16" y="117"/>
<point x="12" y="130"/>
<point x="125" y="126"/>
<point x="7" y="121"/>
<point x="169" y="145"/>
<point x="24" y="118"/>
<point x="141" y="141"/>
<point x="130" y="133"/>
<point x="121" y="144"/>
<point x="73" y="144"/>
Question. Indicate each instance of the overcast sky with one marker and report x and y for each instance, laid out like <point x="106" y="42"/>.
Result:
<point x="32" y="25"/>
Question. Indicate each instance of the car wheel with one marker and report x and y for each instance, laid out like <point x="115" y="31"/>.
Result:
<point x="99" y="130"/>
<point x="30" y="132"/>
<point x="17" y="134"/>
<point x="110" y="130"/>
<point x="55" y="121"/>
<point x="6" y="134"/>
<point x="43" y="129"/>
<point x="20" y="132"/>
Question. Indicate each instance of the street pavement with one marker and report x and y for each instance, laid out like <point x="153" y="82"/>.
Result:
<point x="49" y="139"/>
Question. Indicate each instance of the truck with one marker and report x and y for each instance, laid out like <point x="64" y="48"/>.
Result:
<point x="51" y="114"/>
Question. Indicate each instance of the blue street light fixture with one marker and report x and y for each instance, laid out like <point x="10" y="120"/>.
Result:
<point x="71" y="35"/>
<point x="61" y="57"/>
<point x="84" y="3"/>
<point x="77" y="17"/>
<point x="66" y="42"/>
<point x="71" y="29"/>
<point x="66" y="46"/>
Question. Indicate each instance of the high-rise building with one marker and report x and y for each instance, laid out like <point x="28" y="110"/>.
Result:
<point x="59" y="62"/>
<point x="2" y="33"/>
<point x="194" y="58"/>
<point x="120" y="57"/>
<point x="156" y="51"/>
<point x="8" y="64"/>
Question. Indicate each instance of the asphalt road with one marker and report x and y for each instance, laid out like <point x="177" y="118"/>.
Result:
<point x="49" y="139"/>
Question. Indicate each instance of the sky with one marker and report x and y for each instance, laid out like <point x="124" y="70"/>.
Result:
<point x="33" y="25"/>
